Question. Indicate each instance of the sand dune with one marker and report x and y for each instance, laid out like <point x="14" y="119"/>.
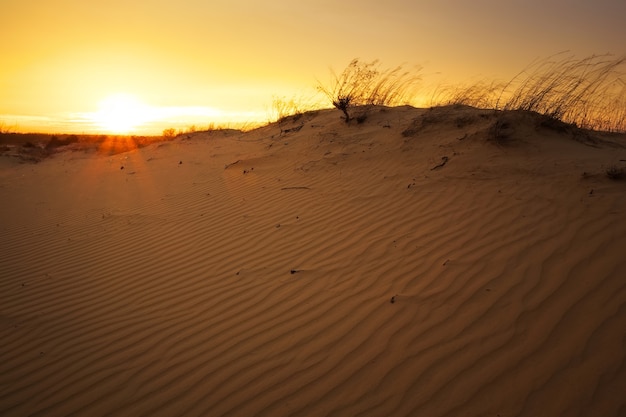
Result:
<point x="420" y="263"/>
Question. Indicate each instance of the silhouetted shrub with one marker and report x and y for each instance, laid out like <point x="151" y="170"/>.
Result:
<point x="363" y="83"/>
<point x="169" y="133"/>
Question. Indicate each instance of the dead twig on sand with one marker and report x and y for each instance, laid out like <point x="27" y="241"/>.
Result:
<point x="232" y="163"/>
<point x="444" y="160"/>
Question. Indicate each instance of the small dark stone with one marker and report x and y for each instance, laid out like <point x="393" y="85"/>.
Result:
<point x="122" y="167"/>
<point x="393" y="299"/>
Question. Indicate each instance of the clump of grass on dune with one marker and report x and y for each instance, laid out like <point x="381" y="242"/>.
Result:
<point x="588" y="92"/>
<point x="365" y="83"/>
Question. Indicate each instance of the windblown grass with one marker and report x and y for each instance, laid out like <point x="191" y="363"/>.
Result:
<point x="587" y="92"/>
<point x="479" y="94"/>
<point x="283" y="108"/>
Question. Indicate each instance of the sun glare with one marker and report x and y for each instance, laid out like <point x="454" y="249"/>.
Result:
<point x="125" y="114"/>
<point x="121" y="113"/>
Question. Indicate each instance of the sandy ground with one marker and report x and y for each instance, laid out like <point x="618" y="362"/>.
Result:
<point x="426" y="262"/>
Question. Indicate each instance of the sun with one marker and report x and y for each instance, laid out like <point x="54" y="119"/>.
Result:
<point x="121" y="113"/>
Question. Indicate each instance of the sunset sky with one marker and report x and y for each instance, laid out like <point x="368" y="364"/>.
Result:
<point x="67" y="65"/>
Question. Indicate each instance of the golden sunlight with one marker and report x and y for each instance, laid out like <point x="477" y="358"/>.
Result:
<point x="121" y="113"/>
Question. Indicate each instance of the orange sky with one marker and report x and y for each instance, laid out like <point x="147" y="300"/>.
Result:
<point x="226" y="59"/>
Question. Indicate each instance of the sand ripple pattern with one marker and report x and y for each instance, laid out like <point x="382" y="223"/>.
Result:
<point x="328" y="272"/>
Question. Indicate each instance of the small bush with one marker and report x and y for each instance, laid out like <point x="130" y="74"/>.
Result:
<point x="364" y="83"/>
<point x="169" y="133"/>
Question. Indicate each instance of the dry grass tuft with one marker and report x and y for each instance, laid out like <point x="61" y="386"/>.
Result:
<point x="480" y="94"/>
<point x="287" y="108"/>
